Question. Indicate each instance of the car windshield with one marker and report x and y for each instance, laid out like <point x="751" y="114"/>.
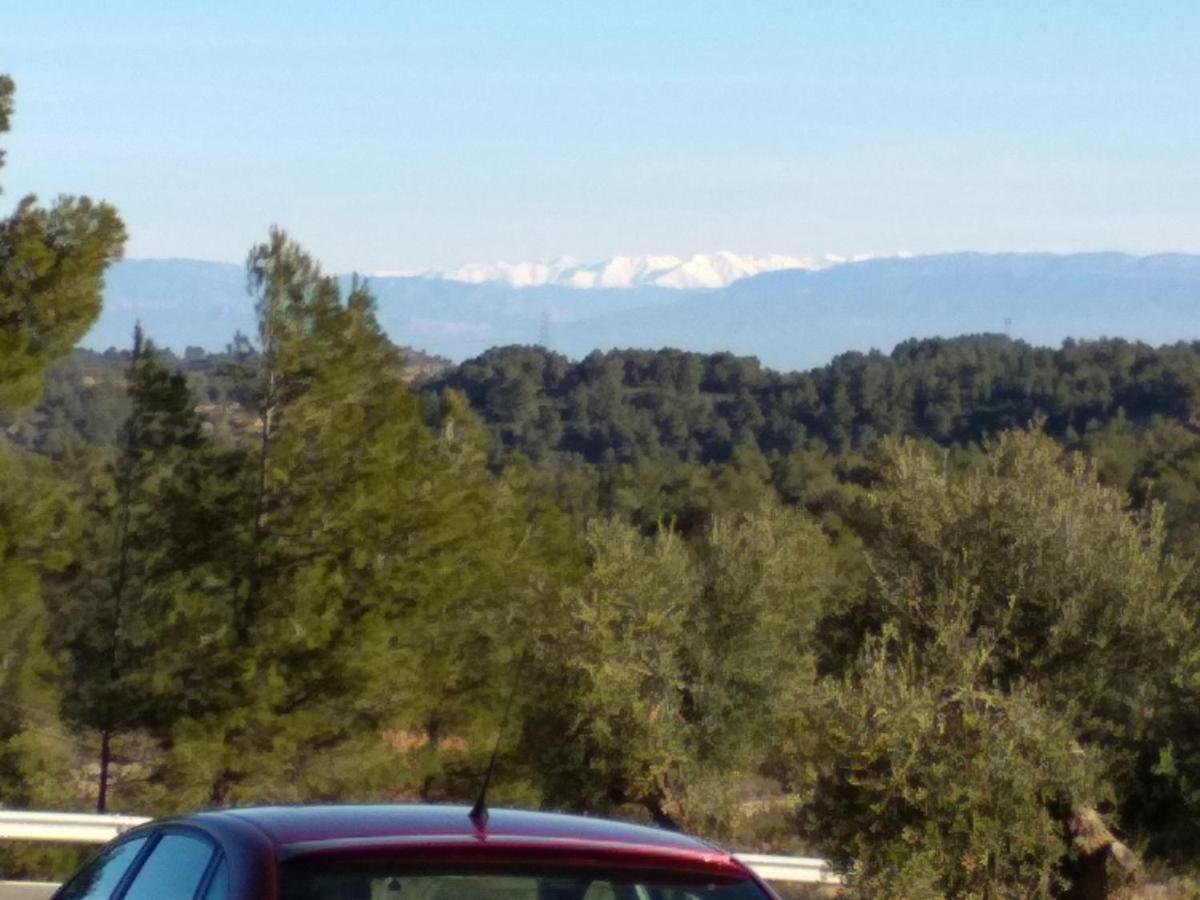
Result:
<point x="341" y="880"/>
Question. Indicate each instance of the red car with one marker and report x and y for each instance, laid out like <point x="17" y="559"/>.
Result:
<point x="407" y="853"/>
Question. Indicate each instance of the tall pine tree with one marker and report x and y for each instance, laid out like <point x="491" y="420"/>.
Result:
<point x="116" y="609"/>
<point x="52" y="261"/>
<point x="384" y="570"/>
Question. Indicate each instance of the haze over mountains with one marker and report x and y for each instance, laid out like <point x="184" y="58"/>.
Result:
<point x="792" y="314"/>
<point x="702" y="270"/>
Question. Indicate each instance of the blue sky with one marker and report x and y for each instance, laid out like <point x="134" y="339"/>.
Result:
<point x="395" y="134"/>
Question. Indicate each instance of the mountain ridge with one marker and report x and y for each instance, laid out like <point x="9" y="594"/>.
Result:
<point x="700" y="270"/>
<point x="791" y="319"/>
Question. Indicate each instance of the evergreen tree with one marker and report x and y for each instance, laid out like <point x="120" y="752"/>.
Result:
<point x="51" y="265"/>
<point x="33" y="515"/>
<point x="114" y="610"/>
<point x="52" y="262"/>
<point x="384" y="569"/>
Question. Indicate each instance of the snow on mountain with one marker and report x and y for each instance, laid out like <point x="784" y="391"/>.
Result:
<point x="711" y="270"/>
<point x="790" y="319"/>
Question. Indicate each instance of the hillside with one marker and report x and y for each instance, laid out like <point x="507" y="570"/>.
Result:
<point x="628" y="405"/>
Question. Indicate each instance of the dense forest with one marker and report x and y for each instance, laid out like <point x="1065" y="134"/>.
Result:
<point x="629" y="406"/>
<point x="931" y="614"/>
<point x="650" y="434"/>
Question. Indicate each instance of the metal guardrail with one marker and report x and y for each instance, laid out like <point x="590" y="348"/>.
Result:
<point x="791" y="869"/>
<point x="27" y="890"/>
<point x="63" y="828"/>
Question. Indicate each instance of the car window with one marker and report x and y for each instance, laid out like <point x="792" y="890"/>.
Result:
<point x="218" y="887"/>
<point x="173" y="870"/>
<point x="371" y="880"/>
<point x="100" y="877"/>
<point x="600" y="890"/>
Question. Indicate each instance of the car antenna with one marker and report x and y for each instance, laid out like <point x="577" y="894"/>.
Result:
<point x="479" y="812"/>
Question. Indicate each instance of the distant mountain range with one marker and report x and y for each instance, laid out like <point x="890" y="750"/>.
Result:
<point x="796" y="316"/>
<point x="704" y="270"/>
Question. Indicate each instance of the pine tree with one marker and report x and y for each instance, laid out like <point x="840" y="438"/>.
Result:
<point x="386" y="571"/>
<point x="313" y="383"/>
<point x="52" y="262"/>
<point x="114" y="612"/>
<point x="51" y="265"/>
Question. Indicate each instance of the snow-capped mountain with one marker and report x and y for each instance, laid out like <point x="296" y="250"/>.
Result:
<point x="795" y="318"/>
<point x="703" y="270"/>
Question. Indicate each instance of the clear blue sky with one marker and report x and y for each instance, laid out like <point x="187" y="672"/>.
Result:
<point x="392" y="134"/>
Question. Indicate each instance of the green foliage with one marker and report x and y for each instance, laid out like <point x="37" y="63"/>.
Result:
<point x="51" y="265"/>
<point x="81" y="410"/>
<point x="32" y="511"/>
<point x="617" y="676"/>
<point x="933" y="785"/>
<point x="383" y="575"/>
<point x="139" y="631"/>
<point x="632" y="406"/>
<point x="1032" y="638"/>
<point x="7" y="88"/>
<point x="37" y="754"/>
<point x="1078" y="594"/>
<point x="671" y="668"/>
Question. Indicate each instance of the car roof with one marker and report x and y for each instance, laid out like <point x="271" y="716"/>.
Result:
<point x="285" y="825"/>
<point x="312" y="831"/>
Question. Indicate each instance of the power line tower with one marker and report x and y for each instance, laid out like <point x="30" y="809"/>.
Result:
<point x="544" y="331"/>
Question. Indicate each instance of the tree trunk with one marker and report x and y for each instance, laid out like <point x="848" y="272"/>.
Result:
<point x="105" y="761"/>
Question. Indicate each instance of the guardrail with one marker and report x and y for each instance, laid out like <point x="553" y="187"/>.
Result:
<point x="27" y="890"/>
<point x="63" y="828"/>
<point x="791" y="869"/>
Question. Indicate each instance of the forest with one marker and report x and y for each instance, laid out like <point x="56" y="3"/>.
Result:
<point x="930" y="614"/>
